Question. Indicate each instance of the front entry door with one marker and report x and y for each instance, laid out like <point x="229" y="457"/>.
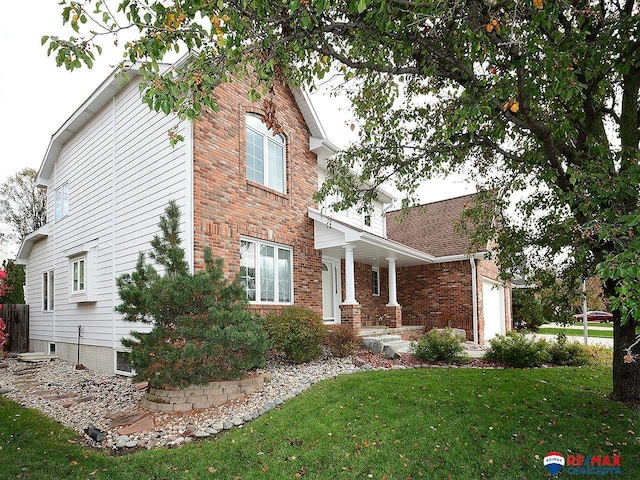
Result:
<point x="330" y="292"/>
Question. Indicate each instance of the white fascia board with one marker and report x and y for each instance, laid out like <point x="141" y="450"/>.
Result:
<point x="27" y="244"/>
<point x="397" y="247"/>
<point x="460" y="257"/>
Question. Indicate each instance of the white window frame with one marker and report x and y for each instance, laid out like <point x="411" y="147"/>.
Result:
<point x="375" y="281"/>
<point x="125" y="373"/>
<point x="79" y="284"/>
<point x="276" y="273"/>
<point x="268" y="138"/>
<point x="367" y="221"/>
<point x="86" y="253"/>
<point x="61" y="202"/>
<point x="48" y="291"/>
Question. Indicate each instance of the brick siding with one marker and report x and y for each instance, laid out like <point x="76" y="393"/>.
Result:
<point x="437" y="296"/>
<point x="228" y="206"/>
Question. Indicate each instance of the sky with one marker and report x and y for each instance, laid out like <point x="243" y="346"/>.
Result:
<point x="36" y="97"/>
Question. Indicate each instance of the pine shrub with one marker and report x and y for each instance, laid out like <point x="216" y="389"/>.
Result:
<point x="297" y="332"/>
<point x="342" y="340"/>
<point x="201" y="327"/>
<point x="439" y="345"/>
<point x="516" y="350"/>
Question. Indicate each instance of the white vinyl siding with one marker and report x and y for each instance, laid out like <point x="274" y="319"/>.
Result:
<point x="372" y="221"/>
<point x="122" y="172"/>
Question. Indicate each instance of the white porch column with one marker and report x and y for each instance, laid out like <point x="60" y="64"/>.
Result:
<point x="349" y="276"/>
<point x="393" y="297"/>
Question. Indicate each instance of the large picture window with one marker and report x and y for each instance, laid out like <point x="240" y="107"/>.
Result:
<point x="266" y="272"/>
<point x="265" y="155"/>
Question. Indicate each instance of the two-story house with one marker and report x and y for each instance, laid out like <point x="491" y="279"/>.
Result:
<point x="244" y="178"/>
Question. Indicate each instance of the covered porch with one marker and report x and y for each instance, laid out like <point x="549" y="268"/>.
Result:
<point x="359" y="274"/>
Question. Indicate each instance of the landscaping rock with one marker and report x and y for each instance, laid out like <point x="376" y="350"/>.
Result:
<point x="375" y="346"/>
<point x="390" y="353"/>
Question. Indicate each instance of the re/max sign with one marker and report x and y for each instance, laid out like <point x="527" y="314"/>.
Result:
<point x="593" y="461"/>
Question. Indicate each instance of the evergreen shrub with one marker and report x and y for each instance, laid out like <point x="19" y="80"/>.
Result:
<point x="297" y="332"/>
<point x="439" y="345"/>
<point x="562" y="352"/>
<point x="342" y="340"/>
<point x="201" y="330"/>
<point x="516" y="350"/>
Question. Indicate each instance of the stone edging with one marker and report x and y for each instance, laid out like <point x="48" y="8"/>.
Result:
<point x="201" y="396"/>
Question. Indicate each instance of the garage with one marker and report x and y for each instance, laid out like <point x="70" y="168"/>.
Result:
<point x="492" y="308"/>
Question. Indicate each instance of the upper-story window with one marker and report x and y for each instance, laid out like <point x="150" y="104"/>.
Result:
<point x="62" y="202"/>
<point x="265" y="155"/>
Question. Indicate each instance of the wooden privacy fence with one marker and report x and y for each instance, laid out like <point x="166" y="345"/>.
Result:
<point x="16" y="318"/>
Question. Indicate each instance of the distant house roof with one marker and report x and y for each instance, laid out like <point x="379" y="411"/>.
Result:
<point x="431" y="228"/>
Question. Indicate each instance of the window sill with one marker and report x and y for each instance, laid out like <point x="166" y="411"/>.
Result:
<point x="262" y="188"/>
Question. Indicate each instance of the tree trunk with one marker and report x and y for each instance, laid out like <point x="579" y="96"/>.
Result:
<point x="626" y="375"/>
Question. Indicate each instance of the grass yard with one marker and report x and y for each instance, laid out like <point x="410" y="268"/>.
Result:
<point x="575" y="332"/>
<point x="435" y="423"/>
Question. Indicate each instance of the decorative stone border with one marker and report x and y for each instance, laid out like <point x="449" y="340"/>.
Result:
<point x="201" y="396"/>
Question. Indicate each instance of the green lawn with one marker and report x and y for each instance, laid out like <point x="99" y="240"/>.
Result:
<point x="439" y="423"/>
<point x="574" y="332"/>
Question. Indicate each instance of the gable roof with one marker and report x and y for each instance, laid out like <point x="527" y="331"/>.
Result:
<point x="431" y="228"/>
<point x="115" y="82"/>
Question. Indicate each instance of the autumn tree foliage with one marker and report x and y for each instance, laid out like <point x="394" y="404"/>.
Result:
<point x="533" y="96"/>
<point x="23" y="205"/>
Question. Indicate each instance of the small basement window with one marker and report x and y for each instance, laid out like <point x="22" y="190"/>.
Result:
<point x="123" y="363"/>
<point x="52" y="349"/>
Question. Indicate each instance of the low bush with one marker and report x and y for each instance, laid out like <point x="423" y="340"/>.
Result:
<point x="599" y="355"/>
<point x="297" y="332"/>
<point x="342" y="340"/>
<point x="566" y="353"/>
<point x="439" y="346"/>
<point x="516" y="350"/>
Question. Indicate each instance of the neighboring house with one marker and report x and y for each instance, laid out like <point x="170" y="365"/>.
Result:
<point x="244" y="178"/>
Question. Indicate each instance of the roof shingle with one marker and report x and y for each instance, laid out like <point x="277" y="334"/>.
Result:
<point x="431" y="228"/>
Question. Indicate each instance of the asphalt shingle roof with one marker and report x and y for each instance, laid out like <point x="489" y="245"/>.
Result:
<point x="430" y="228"/>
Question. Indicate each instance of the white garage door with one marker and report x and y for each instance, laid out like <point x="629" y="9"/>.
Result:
<point x="493" y="309"/>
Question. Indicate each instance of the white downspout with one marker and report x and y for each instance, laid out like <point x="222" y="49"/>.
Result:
<point x="474" y="299"/>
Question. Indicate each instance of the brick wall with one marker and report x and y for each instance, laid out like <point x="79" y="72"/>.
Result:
<point x="373" y="306"/>
<point x="437" y="296"/>
<point x="227" y="206"/>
